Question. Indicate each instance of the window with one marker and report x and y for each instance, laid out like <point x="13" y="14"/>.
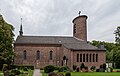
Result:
<point x="90" y="58"/>
<point x="74" y="28"/>
<point x="51" y="55"/>
<point x="25" y="55"/>
<point x="77" y="57"/>
<point x="93" y="57"/>
<point x="83" y="57"/>
<point x="38" y="55"/>
<point x="86" y="57"/>
<point x="96" y="57"/>
<point x="80" y="57"/>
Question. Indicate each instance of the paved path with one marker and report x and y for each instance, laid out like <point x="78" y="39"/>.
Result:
<point x="37" y="72"/>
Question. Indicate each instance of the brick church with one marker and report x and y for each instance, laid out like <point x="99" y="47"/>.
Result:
<point x="40" y="51"/>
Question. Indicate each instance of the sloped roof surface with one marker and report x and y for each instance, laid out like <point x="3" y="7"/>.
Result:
<point x="68" y="42"/>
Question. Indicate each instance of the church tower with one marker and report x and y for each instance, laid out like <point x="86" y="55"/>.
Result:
<point x="80" y="27"/>
<point x="21" y="30"/>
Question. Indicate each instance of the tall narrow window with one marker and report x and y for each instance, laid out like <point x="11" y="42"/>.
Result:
<point x="90" y="58"/>
<point x="80" y="57"/>
<point x="77" y="57"/>
<point x="86" y="57"/>
<point x="93" y="57"/>
<point x="96" y="57"/>
<point x="51" y="55"/>
<point x="83" y="57"/>
<point x="38" y="55"/>
<point x="25" y="55"/>
<point x="74" y="28"/>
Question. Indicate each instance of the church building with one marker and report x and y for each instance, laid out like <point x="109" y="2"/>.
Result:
<point x="41" y="51"/>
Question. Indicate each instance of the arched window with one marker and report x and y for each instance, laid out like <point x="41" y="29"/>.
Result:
<point x="38" y="55"/>
<point x="51" y="55"/>
<point x="77" y="57"/>
<point x="25" y="55"/>
<point x="96" y="57"/>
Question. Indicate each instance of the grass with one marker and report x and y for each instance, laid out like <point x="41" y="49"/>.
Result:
<point x="30" y="72"/>
<point x="89" y="74"/>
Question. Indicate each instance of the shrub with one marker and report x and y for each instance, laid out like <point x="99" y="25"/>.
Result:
<point x="5" y="67"/>
<point x="60" y="69"/>
<point x="101" y="70"/>
<point x="104" y="66"/>
<point x="56" y="67"/>
<point x="21" y="67"/>
<point x="16" y="72"/>
<point x="97" y="70"/>
<point x="82" y="66"/>
<point x="49" y="68"/>
<point x="67" y="74"/>
<point x="41" y="68"/>
<point x="93" y="68"/>
<point x="12" y="74"/>
<point x="74" y="67"/>
<point x="25" y="69"/>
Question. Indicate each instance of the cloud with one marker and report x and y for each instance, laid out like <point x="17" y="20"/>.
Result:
<point x="54" y="17"/>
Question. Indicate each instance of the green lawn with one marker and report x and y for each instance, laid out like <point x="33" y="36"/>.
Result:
<point x="89" y="74"/>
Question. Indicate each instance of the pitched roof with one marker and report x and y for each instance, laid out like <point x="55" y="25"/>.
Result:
<point x="68" y="42"/>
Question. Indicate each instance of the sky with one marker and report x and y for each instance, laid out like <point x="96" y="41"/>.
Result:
<point x="54" y="17"/>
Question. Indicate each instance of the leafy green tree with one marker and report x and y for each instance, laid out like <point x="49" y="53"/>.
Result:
<point x="117" y="35"/>
<point x="116" y="57"/>
<point x="6" y="40"/>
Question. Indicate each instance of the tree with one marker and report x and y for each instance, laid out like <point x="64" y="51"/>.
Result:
<point x="117" y="35"/>
<point x="6" y="40"/>
<point x="116" y="56"/>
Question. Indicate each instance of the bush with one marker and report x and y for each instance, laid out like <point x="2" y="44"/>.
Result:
<point x="93" y="68"/>
<point x="5" y="67"/>
<point x="67" y="74"/>
<point x="49" y="68"/>
<point x="12" y="74"/>
<point x="101" y="70"/>
<point x="25" y="69"/>
<point x="82" y="66"/>
<point x="16" y="72"/>
<point x="74" y="67"/>
<point x="56" y="68"/>
<point x="21" y="67"/>
<point x="60" y="69"/>
<point x="41" y="68"/>
<point x="97" y="70"/>
<point x="104" y="66"/>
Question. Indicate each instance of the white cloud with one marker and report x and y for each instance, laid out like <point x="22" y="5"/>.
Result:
<point x="54" y="17"/>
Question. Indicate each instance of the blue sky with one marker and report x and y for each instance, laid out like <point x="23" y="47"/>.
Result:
<point x="54" y="17"/>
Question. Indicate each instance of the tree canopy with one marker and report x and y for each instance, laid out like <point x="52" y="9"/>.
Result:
<point x="117" y="35"/>
<point x="6" y="41"/>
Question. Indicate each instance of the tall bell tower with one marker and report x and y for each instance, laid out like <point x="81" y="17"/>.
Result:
<point x="80" y="27"/>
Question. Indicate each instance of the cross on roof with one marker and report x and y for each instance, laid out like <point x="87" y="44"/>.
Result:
<point x="79" y="13"/>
